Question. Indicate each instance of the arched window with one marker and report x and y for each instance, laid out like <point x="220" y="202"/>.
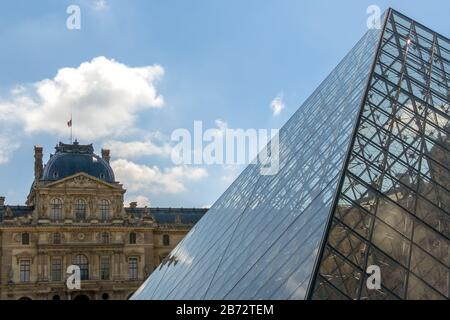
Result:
<point x="166" y="240"/>
<point x="132" y="238"/>
<point x="80" y="209"/>
<point x="104" y="209"/>
<point x="57" y="238"/>
<point x="82" y="261"/>
<point x="105" y="237"/>
<point x="56" y="209"/>
<point x="25" y="238"/>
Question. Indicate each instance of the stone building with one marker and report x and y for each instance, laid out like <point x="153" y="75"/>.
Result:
<point x="75" y="215"/>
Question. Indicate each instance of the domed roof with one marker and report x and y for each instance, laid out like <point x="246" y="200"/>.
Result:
<point x="70" y="159"/>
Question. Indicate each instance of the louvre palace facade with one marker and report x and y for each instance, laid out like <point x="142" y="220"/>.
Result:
<point x="75" y="215"/>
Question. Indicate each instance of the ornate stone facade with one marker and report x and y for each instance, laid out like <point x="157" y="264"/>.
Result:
<point x="79" y="218"/>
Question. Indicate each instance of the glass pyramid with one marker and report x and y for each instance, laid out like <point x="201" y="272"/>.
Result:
<point x="363" y="180"/>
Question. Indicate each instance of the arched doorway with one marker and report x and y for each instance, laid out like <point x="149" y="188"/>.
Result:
<point x="81" y="297"/>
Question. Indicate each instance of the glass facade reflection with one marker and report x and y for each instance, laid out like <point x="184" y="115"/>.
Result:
<point x="393" y="209"/>
<point x="363" y="180"/>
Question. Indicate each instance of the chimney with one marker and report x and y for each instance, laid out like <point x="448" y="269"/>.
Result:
<point x="2" y="201"/>
<point x="105" y="155"/>
<point x="133" y="205"/>
<point x="38" y="167"/>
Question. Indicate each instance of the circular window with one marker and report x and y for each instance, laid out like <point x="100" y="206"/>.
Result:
<point x="81" y="236"/>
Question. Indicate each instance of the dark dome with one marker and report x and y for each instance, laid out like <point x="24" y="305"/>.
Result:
<point x="70" y="159"/>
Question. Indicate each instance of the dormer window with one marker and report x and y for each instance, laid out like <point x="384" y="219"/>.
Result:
<point x="55" y="174"/>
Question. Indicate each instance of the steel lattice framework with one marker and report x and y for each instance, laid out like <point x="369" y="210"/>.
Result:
<point x="364" y="180"/>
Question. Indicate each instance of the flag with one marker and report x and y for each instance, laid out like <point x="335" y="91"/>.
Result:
<point x="69" y="123"/>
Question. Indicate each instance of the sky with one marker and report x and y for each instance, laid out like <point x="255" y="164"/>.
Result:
<point x="135" y="71"/>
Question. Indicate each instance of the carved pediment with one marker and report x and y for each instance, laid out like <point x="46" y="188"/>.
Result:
<point x="82" y="181"/>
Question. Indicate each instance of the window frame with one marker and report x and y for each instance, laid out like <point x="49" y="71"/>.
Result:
<point x="56" y="206"/>
<point x="133" y="268"/>
<point x="80" y="209"/>
<point x="24" y="270"/>
<point x="104" y="209"/>
<point x="56" y="269"/>
<point x="25" y="238"/>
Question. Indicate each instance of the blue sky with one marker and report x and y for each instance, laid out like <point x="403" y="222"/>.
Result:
<point x="222" y="62"/>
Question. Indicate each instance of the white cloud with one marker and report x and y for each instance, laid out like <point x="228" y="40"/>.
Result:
<point x="105" y="97"/>
<point x="138" y="177"/>
<point x="9" y="141"/>
<point x="7" y="147"/>
<point x="277" y="105"/>
<point x="134" y="149"/>
<point x="99" y="5"/>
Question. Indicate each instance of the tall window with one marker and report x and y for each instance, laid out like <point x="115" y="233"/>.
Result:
<point x="104" y="268"/>
<point x="57" y="238"/>
<point x="25" y="238"/>
<point x="166" y="240"/>
<point x="80" y="209"/>
<point x="56" y="209"/>
<point x="56" y="269"/>
<point x="132" y="268"/>
<point x="104" y="209"/>
<point x="25" y="270"/>
<point x="105" y="237"/>
<point x="132" y="238"/>
<point x="81" y="261"/>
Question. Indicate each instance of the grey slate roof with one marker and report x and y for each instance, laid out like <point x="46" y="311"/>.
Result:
<point x="161" y="215"/>
<point x="73" y="158"/>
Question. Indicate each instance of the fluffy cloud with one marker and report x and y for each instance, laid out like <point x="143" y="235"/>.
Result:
<point x="134" y="149"/>
<point x="105" y="97"/>
<point x="7" y="147"/>
<point x="138" y="178"/>
<point x="9" y="141"/>
<point x="277" y="105"/>
<point x="99" y="5"/>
